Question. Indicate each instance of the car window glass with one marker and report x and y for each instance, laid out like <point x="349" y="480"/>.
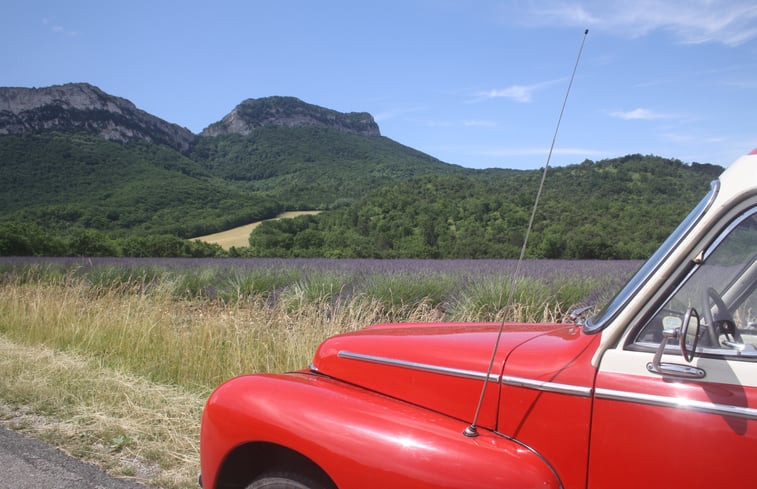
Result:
<point x="722" y="290"/>
<point x="598" y="322"/>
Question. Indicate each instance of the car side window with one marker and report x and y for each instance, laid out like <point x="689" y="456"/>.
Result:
<point x="722" y="289"/>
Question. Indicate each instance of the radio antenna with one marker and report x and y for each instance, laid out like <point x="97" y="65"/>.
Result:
<point x="471" y="431"/>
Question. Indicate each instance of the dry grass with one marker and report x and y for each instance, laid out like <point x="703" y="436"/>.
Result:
<point x="130" y="426"/>
<point x="193" y="344"/>
<point x="118" y="374"/>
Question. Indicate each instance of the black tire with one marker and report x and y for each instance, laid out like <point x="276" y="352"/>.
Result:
<point x="285" y="480"/>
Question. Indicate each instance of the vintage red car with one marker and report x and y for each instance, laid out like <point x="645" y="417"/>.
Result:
<point x="659" y="389"/>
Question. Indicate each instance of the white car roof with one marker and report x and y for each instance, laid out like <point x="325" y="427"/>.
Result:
<point x="740" y="177"/>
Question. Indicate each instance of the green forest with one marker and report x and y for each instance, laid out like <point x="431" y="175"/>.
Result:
<point x="79" y="195"/>
<point x="613" y="209"/>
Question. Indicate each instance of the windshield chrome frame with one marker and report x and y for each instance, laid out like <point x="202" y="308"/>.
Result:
<point x="597" y="323"/>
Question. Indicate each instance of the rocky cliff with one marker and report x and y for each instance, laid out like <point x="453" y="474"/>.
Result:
<point x="290" y="112"/>
<point x="83" y="107"/>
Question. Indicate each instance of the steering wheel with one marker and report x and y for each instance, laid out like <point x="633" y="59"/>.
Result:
<point x="722" y="321"/>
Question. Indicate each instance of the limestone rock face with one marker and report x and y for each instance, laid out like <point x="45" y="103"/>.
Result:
<point x="81" y="107"/>
<point x="290" y="112"/>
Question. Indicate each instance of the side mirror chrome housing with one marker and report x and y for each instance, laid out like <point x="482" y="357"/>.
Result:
<point x="688" y="338"/>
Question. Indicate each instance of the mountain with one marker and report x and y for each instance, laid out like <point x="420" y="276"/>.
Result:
<point x="253" y="114"/>
<point x="75" y="158"/>
<point x="80" y="107"/>
<point x="305" y="156"/>
<point x="85" y="172"/>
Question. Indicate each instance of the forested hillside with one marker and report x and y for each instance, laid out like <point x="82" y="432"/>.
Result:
<point x="620" y="208"/>
<point x="59" y="180"/>
<point x="313" y="167"/>
<point x="80" y="194"/>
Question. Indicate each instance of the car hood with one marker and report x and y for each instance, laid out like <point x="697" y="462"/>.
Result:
<point x="440" y="366"/>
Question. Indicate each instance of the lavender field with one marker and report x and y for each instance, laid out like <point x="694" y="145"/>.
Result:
<point x="443" y="283"/>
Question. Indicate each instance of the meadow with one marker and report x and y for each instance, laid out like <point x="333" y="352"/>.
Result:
<point x="112" y="359"/>
<point x="240" y="235"/>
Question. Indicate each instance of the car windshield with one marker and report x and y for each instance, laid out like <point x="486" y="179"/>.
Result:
<point x="596" y="323"/>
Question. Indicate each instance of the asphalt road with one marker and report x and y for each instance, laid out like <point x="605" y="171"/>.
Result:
<point x="31" y="464"/>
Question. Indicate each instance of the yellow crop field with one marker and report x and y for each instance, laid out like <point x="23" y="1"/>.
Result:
<point x="238" y="237"/>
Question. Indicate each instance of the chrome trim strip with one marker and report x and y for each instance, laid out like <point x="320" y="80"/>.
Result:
<point x="540" y="385"/>
<point x="543" y="385"/>
<point x="677" y="403"/>
<point x="424" y="367"/>
<point x="533" y="450"/>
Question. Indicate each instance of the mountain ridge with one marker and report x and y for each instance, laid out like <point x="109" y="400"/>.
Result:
<point x="289" y="112"/>
<point x="74" y="107"/>
<point x="82" y="107"/>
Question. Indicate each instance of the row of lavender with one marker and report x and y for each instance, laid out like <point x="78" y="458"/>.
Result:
<point x="480" y="284"/>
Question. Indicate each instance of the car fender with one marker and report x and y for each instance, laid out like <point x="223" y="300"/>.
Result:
<point x="360" y="438"/>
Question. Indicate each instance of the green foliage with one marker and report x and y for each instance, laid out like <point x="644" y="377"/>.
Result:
<point x="313" y="167"/>
<point x="32" y="240"/>
<point x="621" y="209"/>
<point x="64" y="181"/>
<point x="76" y="194"/>
<point x="17" y="239"/>
<point x="167" y="245"/>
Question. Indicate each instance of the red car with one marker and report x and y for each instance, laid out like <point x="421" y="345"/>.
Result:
<point x="659" y="389"/>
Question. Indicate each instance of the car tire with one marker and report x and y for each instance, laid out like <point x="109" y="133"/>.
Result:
<point x="284" y="481"/>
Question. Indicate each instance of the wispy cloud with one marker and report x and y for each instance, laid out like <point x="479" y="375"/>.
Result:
<point x="437" y="123"/>
<point x="479" y="123"/>
<point x="641" y="114"/>
<point x="57" y="28"/>
<point x="395" y="112"/>
<point x="691" y="138"/>
<point x="502" y="152"/>
<point x="745" y="84"/>
<point x="518" y="93"/>
<point x="729" y="22"/>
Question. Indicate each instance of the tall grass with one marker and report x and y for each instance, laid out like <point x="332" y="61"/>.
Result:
<point x="196" y="328"/>
<point x="121" y="356"/>
<point x="194" y="344"/>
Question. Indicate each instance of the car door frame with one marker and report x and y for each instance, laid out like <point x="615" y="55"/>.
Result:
<point x="647" y="427"/>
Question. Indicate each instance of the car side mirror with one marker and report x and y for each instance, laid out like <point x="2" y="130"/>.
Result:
<point x="688" y="338"/>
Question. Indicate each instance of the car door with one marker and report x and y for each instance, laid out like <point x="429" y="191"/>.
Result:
<point x="667" y="422"/>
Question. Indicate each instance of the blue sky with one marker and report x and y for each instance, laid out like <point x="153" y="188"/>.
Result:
<point x="475" y="83"/>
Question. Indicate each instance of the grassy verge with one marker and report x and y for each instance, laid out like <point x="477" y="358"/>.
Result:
<point x="114" y="364"/>
<point x="191" y="344"/>
<point x="131" y="427"/>
<point x="119" y="377"/>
